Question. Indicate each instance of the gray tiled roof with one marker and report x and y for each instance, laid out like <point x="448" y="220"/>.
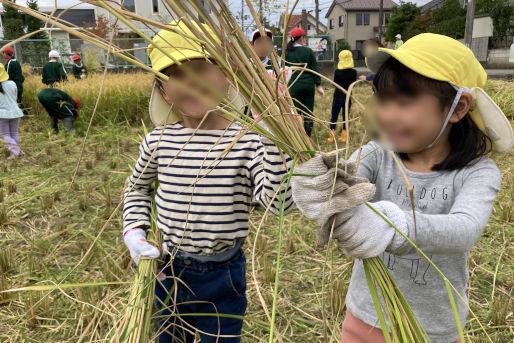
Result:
<point x="77" y="17"/>
<point x="353" y="5"/>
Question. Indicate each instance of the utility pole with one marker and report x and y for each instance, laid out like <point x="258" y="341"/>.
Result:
<point x="243" y="16"/>
<point x="380" y="20"/>
<point x="470" y="16"/>
<point x="304" y="20"/>
<point x="260" y="11"/>
<point x="317" y="16"/>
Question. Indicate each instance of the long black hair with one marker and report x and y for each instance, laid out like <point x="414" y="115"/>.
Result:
<point x="466" y="140"/>
<point x="290" y="45"/>
<point x="1" y="88"/>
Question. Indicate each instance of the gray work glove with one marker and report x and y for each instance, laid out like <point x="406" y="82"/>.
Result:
<point x="366" y="234"/>
<point x="312" y="193"/>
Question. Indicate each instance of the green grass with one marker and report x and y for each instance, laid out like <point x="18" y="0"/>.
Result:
<point x="47" y="227"/>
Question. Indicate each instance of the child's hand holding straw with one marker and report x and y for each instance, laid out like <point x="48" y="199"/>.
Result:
<point x="366" y="234"/>
<point x="319" y="199"/>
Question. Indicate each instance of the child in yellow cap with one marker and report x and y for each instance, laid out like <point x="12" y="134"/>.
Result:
<point x="441" y="124"/>
<point x="344" y="76"/>
<point x="10" y="114"/>
<point x="208" y="169"/>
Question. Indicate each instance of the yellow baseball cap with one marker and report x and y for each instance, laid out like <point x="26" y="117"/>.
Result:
<point x="445" y="59"/>
<point x="3" y="74"/>
<point x="345" y="60"/>
<point x="174" y="46"/>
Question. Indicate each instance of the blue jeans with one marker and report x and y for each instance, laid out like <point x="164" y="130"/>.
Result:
<point x="204" y="287"/>
<point x="337" y="106"/>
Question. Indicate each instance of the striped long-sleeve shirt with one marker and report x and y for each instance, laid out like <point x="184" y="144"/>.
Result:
<point x="204" y="194"/>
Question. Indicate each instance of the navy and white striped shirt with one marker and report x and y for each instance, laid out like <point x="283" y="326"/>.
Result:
<point x="204" y="195"/>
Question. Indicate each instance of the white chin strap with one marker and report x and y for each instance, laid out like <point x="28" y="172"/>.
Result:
<point x="450" y="113"/>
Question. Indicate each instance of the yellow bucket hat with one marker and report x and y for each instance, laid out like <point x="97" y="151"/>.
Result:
<point x="174" y="46"/>
<point x="445" y="59"/>
<point x="345" y="60"/>
<point x="3" y="74"/>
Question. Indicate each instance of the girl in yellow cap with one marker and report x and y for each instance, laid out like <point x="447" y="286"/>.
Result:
<point x="436" y="118"/>
<point x="10" y="114"/>
<point x="208" y="169"/>
<point x="344" y="76"/>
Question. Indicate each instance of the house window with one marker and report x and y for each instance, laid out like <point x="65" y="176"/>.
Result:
<point x="308" y="27"/>
<point x="386" y="18"/>
<point x="331" y="24"/>
<point x="358" y="44"/>
<point x="341" y="20"/>
<point x="129" y="5"/>
<point x="366" y="18"/>
<point x="155" y="6"/>
<point x="359" y="18"/>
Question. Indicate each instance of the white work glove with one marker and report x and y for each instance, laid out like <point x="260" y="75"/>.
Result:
<point x="321" y="91"/>
<point x="366" y="234"/>
<point x="312" y="193"/>
<point x="135" y="240"/>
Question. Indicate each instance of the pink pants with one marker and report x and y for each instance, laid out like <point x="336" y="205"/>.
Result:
<point x="356" y="331"/>
<point x="9" y="134"/>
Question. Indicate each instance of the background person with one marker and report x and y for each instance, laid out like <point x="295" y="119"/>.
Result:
<point x="263" y="46"/>
<point x="10" y="114"/>
<point x="303" y="83"/>
<point x="78" y="70"/>
<point x="13" y="69"/>
<point x="399" y="41"/>
<point x="53" y="70"/>
<point x="344" y="76"/>
<point x="369" y="48"/>
<point x="60" y="106"/>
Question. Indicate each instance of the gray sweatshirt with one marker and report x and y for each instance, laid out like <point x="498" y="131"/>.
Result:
<point x="452" y="210"/>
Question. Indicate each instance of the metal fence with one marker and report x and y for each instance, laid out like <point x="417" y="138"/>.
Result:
<point x="320" y="44"/>
<point x="34" y="52"/>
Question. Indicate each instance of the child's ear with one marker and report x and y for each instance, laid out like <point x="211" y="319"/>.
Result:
<point x="462" y="108"/>
<point x="164" y="95"/>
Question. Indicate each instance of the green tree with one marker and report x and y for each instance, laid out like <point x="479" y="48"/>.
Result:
<point x="401" y="20"/>
<point x="449" y="20"/>
<point x="34" y="52"/>
<point x="502" y="13"/>
<point x="419" y="24"/>
<point x="13" y="22"/>
<point x="33" y="23"/>
<point x="342" y="45"/>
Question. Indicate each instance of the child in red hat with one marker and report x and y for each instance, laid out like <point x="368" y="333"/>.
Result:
<point x="303" y="83"/>
<point x="13" y="68"/>
<point x="78" y="70"/>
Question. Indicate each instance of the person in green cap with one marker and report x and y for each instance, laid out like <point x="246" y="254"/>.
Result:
<point x="59" y="105"/>
<point x="53" y="70"/>
<point x="13" y="68"/>
<point x="79" y="69"/>
<point x="302" y="83"/>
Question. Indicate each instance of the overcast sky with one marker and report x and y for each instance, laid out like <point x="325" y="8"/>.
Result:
<point x="235" y="5"/>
